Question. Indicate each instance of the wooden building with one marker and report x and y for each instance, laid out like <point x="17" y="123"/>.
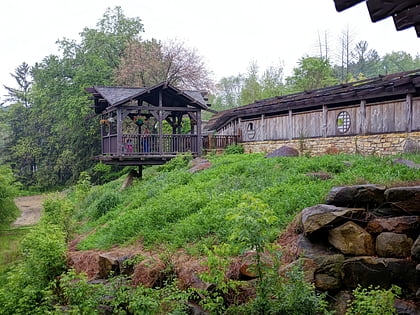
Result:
<point x="405" y="13"/>
<point x="143" y="126"/>
<point x="387" y="104"/>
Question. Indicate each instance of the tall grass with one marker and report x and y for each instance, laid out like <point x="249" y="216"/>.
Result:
<point x="177" y="208"/>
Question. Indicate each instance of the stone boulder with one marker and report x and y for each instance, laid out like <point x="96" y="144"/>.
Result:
<point x="351" y="239"/>
<point x="404" y="199"/>
<point x="357" y="195"/>
<point x="313" y="248"/>
<point x="320" y="217"/>
<point x="407" y="307"/>
<point x="327" y="275"/>
<point x="409" y="225"/>
<point x="114" y="262"/>
<point x="415" y="249"/>
<point x="319" y="175"/>
<point x="199" y="164"/>
<point x="389" y="244"/>
<point x="283" y="151"/>
<point x="369" y="270"/>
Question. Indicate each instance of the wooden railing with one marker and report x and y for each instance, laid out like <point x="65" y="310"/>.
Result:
<point x="219" y="141"/>
<point x="140" y="144"/>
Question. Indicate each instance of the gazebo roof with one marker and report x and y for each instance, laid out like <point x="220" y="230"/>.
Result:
<point x="107" y="97"/>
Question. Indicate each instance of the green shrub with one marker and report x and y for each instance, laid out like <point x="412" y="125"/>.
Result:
<point x="26" y="288"/>
<point x="8" y="210"/>
<point x="234" y="149"/>
<point x="179" y="162"/>
<point x="373" y="301"/>
<point x="108" y="201"/>
<point x="59" y="211"/>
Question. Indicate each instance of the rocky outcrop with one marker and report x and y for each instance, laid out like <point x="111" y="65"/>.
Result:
<point x="367" y="235"/>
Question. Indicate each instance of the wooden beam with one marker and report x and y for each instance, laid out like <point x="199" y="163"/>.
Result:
<point x="341" y="5"/>
<point x="409" y="112"/>
<point x="324" y="120"/>
<point x="199" y="138"/>
<point x="160" y="123"/>
<point x="362" y="112"/>
<point x="407" y="18"/>
<point x="381" y="9"/>
<point x="290" y="125"/>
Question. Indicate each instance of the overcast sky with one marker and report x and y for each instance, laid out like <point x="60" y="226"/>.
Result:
<point x="229" y="34"/>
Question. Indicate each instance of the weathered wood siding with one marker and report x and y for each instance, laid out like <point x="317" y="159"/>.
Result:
<point x="275" y="127"/>
<point x="415" y="121"/>
<point x="307" y="125"/>
<point x="386" y="117"/>
<point x="375" y="118"/>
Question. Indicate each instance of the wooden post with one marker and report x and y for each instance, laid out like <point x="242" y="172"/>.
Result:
<point x="160" y="123"/>
<point x="362" y="124"/>
<point x="324" y="120"/>
<point x="409" y="112"/>
<point x="290" y="125"/>
<point x="140" y="171"/>
<point x="199" y="139"/>
<point x="262" y="127"/>
<point x="119" y="131"/>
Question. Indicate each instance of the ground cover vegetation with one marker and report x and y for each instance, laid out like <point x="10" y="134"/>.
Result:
<point x="241" y="203"/>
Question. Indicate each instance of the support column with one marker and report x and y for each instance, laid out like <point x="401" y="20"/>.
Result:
<point x="160" y="123"/>
<point x="262" y="127"/>
<point x="362" y="124"/>
<point x="119" y="131"/>
<point x="199" y="137"/>
<point x="409" y="112"/>
<point x="290" y="125"/>
<point x="324" y="121"/>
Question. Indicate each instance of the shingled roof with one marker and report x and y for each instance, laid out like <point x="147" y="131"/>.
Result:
<point x="405" y="13"/>
<point x="376" y="89"/>
<point x="111" y="96"/>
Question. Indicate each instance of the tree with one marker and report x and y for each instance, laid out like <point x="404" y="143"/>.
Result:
<point x="366" y="61"/>
<point x="399" y="61"/>
<point x="345" y="56"/>
<point x="312" y="73"/>
<point x="52" y="141"/>
<point x="146" y="63"/>
<point x="252" y="89"/>
<point x="228" y="92"/>
<point x="20" y="94"/>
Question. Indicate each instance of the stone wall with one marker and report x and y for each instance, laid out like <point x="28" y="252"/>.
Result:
<point x="379" y="144"/>
<point x="367" y="235"/>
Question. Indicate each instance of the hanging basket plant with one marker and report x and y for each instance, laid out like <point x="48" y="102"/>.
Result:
<point x="139" y="121"/>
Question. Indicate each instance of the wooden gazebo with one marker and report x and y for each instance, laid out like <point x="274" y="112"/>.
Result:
<point x="143" y="126"/>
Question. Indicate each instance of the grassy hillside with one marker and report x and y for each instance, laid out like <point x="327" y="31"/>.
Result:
<point x="174" y="207"/>
<point x="241" y="202"/>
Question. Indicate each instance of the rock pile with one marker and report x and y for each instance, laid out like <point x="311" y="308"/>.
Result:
<point x="364" y="234"/>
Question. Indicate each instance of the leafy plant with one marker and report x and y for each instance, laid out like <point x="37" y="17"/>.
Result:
<point x="217" y="263"/>
<point x="373" y="301"/>
<point x="234" y="149"/>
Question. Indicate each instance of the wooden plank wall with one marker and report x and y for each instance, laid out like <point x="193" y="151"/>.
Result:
<point x="307" y="125"/>
<point x="389" y="117"/>
<point x="276" y="127"/>
<point x="395" y="116"/>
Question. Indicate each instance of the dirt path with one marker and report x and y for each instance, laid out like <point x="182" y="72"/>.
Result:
<point x="30" y="207"/>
